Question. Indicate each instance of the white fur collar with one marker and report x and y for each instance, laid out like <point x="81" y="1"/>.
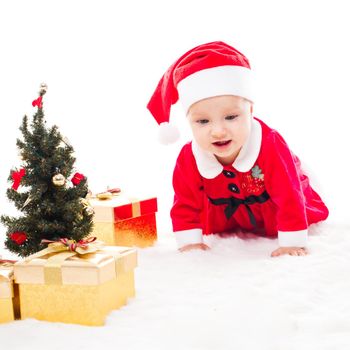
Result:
<point x="209" y="167"/>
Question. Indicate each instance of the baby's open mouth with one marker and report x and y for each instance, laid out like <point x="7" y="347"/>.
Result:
<point x="221" y="143"/>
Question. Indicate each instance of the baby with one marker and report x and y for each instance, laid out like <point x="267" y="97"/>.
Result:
<point x="238" y="174"/>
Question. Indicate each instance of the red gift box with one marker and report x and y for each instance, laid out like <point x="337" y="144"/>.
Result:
<point x="125" y="221"/>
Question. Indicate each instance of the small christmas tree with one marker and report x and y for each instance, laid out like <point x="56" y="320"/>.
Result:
<point x="52" y="206"/>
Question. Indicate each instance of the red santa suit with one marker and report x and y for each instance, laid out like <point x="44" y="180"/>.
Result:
<point x="263" y="191"/>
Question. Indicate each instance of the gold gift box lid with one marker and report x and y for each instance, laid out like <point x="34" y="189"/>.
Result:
<point x="86" y="269"/>
<point x="123" y="207"/>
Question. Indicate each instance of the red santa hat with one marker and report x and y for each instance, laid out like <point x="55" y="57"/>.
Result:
<point x="208" y="70"/>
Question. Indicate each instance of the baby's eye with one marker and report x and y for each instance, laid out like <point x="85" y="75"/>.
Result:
<point x="231" y="117"/>
<point x="202" y="121"/>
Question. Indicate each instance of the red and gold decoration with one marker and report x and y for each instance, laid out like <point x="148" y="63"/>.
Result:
<point x="17" y="177"/>
<point x="104" y="195"/>
<point x="125" y="221"/>
<point x="77" y="178"/>
<point x="83" y="246"/>
<point x="115" y="191"/>
<point x="108" y="194"/>
<point x="9" y="306"/>
<point x="18" y="237"/>
<point x="39" y="101"/>
<point x="75" y="282"/>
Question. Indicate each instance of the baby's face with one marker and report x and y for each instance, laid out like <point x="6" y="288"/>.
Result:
<point x="221" y="125"/>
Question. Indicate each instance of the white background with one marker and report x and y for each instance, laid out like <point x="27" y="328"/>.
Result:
<point x="102" y="60"/>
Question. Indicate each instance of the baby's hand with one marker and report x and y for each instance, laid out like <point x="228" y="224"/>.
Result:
<point x="295" y="251"/>
<point x="188" y="247"/>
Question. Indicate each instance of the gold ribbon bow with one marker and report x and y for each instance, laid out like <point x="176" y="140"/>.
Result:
<point x="60" y="251"/>
<point x="135" y="207"/>
<point x="83" y="246"/>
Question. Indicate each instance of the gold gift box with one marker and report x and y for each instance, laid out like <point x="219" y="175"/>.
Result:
<point x="9" y="308"/>
<point x="125" y="221"/>
<point x="82" y="289"/>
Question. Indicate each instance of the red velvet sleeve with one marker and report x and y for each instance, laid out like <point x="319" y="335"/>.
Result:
<point x="188" y="193"/>
<point x="284" y="182"/>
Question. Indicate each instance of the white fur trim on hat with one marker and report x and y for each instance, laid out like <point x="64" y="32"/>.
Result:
<point x="217" y="81"/>
<point x="168" y="133"/>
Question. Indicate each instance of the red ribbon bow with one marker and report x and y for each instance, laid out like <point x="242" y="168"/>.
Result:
<point x="71" y="243"/>
<point x="38" y="102"/>
<point x="17" y="177"/>
<point x="7" y="262"/>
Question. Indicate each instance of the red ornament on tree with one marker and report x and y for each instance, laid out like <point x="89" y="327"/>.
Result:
<point x="76" y="179"/>
<point x="17" y="177"/>
<point x="38" y="102"/>
<point x="18" y="237"/>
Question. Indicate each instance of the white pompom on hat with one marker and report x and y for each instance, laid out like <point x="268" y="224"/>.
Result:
<point x="208" y="70"/>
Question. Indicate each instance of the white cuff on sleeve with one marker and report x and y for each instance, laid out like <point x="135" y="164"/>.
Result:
<point x="292" y="238"/>
<point x="188" y="237"/>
